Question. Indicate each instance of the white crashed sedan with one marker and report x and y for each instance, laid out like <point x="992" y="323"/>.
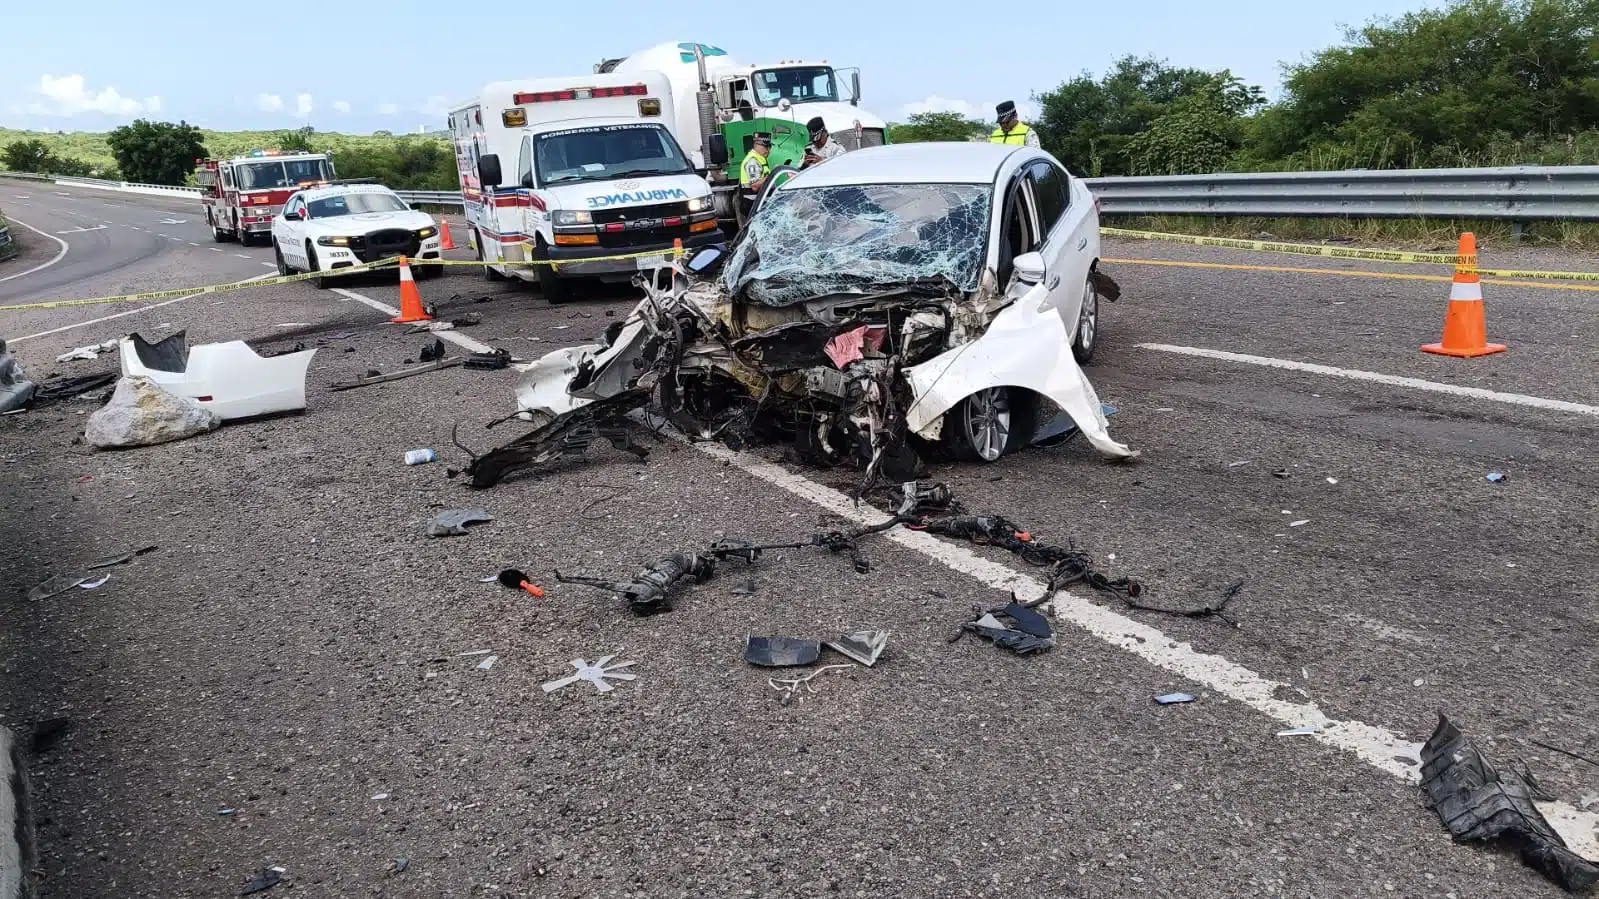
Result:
<point x="324" y="229"/>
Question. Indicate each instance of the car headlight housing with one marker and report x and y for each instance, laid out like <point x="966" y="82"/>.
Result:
<point x="573" y="217"/>
<point x="699" y="204"/>
<point x="425" y="233"/>
<point x="332" y="241"/>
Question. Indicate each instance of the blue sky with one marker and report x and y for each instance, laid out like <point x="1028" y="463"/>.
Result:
<point x="359" y="67"/>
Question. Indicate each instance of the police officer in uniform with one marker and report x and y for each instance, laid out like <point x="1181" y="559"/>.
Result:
<point x="1011" y="130"/>
<point x="753" y="171"/>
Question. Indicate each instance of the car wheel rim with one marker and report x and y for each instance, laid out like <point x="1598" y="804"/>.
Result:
<point x="1088" y="321"/>
<point x="988" y="422"/>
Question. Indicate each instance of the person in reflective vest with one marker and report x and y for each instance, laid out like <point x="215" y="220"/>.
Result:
<point x="754" y="170"/>
<point x="1011" y="130"/>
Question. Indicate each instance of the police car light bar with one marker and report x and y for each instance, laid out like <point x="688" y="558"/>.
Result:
<point x="580" y="93"/>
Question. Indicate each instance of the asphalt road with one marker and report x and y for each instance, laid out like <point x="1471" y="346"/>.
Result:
<point x="296" y="648"/>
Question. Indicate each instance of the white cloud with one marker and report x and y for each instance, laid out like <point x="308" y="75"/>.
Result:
<point x="269" y="103"/>
<point x="436" y="106"/>
<point x="340" y="106"/>
<point x="983" y="112"/>
<point x="389" y="109"/>
<point x="302" y="105"/>
<point x="70" y="95"/>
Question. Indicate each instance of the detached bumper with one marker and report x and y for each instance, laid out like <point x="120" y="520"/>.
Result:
<point x="581" y="262"/>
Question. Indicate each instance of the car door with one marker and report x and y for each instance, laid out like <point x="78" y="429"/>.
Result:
<point x="1065" y="245"/>
<point x="1017" y="231"/>
<point x="291" y="242"/>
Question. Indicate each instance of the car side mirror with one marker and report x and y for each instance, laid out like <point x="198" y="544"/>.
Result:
<point x="718" y="146"/>
<point x="488" y="170"/>
<point x="855" y="88"/>
<point x="527" y="180"/>
<point x="1030" y="268"/>
<point x="292" y="216"/>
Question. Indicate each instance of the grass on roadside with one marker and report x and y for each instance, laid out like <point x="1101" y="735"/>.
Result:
<point x="1441" y="235"/>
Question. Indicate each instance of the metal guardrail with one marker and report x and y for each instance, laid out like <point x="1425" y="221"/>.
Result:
<point x="1520" y="193"/>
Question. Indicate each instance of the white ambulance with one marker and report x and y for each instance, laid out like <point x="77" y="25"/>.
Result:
<point x="575" y="170"/>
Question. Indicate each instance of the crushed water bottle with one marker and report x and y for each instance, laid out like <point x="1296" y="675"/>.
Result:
<point x="420" y="456"/>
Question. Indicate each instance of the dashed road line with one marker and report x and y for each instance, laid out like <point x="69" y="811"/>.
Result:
<point x="455" y="337"/>
<point x="115" y="315"/>
<point x="242" y="255"/>
<point x="215" y="249"/>
<point x="57" y="258"/>
<point x="193" y="244"/>
<point x="1477" y="393"/>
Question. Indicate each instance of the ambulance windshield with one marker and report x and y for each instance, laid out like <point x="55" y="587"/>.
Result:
<point x="607" y="152"/>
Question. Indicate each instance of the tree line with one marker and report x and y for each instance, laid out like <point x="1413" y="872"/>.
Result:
<point x="1475" y="82"/>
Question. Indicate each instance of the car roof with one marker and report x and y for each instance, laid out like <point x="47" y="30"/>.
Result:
<point x="339" y="190"/>
<point x="924" y="163"/>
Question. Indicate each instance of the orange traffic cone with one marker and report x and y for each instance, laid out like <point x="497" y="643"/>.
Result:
<point x="445" y="242"/>
<point x="410" y="298"/>
<point x="1465" y="327"/>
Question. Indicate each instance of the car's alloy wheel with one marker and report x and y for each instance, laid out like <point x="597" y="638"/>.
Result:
<point x="988" y="422"/>
<point x="283" y="265"/>
<point x="1087" y="338"/>
<point x="322" y="282"/>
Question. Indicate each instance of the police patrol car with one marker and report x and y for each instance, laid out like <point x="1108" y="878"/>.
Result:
<point x="571" y="173"/>
<point x="323" y="229"/>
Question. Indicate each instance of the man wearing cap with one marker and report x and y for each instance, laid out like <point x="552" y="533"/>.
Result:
<point x="1011" y="130"/>
<point x="822" y="146"/>
<point x="754" y="170"/>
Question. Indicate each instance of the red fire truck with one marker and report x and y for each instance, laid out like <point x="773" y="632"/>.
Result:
<point x="242" y="194"/>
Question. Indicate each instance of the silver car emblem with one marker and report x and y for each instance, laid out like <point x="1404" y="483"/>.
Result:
<point x="626" y="185"/>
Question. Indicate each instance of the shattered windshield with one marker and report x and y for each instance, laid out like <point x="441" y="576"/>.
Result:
<point x="814" y="242"/>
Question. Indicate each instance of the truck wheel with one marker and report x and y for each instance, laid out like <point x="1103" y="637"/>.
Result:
<point x="488" y="272"/>
<point x="217" y="234"/>
<point x="555" y="290"/>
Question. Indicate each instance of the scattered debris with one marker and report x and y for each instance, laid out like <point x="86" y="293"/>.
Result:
<point x="420" y="456"/>
<point x="431" y="353"/>
<point x="1281" y="474"/>
<point x="59" y="584"/>
<point x="1495" y="477"/>
<point x="1240" y="462"/>
<point x="744" y="588"/>
<point x="87" y="353"/>
<point x="781" y="652"/>
<point x="493" y="360"/>
<point x="467" y="320"/>
<point x="49" y="733"/>
<point x="596" y="674"/>
<point x="15" y="388"/>
<point x="790" y="687"/>
<point x="1300" y="523"/>
<point x="864" y="647"/>
<point x="568" y="434"/>
<point x="229" y="379"/>
<point x="487" y="663"/>
<point x="1014" y="627"/>
<point x="263" y="880"/>
<point x="453" y="522"/>
<point x="95" y="585"/>
<point x="399" y="865"/>
<point x="1566" y="752"/>
<point x="1298" y="732"/>
<point x="376" y="377"/>
<point x="58" y="390"/>
<point x="1332" y="480"/>
<point x="1174" y="698"/>
<point x="141" y="413"/>
<point x="516" y="580"/>
<point x="650" y="590"/>
<point x="1478" y="803"/>
<point x="379" y="797"/>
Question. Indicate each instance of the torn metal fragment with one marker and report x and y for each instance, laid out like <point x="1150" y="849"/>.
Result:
<point x="597" y="674"/>
<point x="453" y="522"/>
<point x="1174" y="698"/>
<point x="1478" y="803"/>
<point x="261" y="881"/>
<point x="781" y="652"/>
<point x="864" y="647"/>
<point x="121" y="558"/>
<point x="1036" y="637"/>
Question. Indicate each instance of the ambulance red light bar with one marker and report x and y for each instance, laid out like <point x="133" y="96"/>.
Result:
<point x="579" y="93"/>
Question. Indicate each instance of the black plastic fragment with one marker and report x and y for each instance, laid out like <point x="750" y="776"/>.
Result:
<point x="431" y="353"/>
<point x="1478" y="803"/>
<point x="263" y="880"/>
<point x="490" y="361"/>
<point x="781" y="652"/>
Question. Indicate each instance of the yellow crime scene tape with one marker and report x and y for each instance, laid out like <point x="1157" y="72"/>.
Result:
<point x="306" y="276"/>
<point x="1300" y="249"/>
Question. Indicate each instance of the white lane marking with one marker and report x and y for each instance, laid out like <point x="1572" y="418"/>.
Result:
<point x="21" y="197"/>
<point x="1515" y="399"/>
<point x="193" y="244"/>
<point x="460" y="340"/>
<point x="1377" y="746"/>
<point x="57" y="258"/>
<point x="160" y="235"/>
<point x="215" y="249"/>
<point x="173" y="221"/>
<point x="106" y="318"/>
<point x="80" y="230"/>
<point x="267" y="264"/>
<point x="243" y="255"/>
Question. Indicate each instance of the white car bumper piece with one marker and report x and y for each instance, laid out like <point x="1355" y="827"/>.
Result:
<point x="227" y="378"/>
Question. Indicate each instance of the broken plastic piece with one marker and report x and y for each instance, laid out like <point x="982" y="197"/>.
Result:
<point x="61" y="583"/>
<point x="1028" y="632"/>
<point x="596" y="674"/>
<point x="432" y="352"/>
<point x="1174" y="698"/>
<point x="1495" y="477"/>
<point x="95" y="584"/>
<point x="781" y="652"/>
<point x="263" y="880"/>
<point x="864" y="647"/>
<point x="121" y="558"/>
<point x="229" y="379"/>
<point x="1478" y="803"/>
<point x="487" y="663"/>
<point x="490" y="361"/>
<point x="516" y="580"/>
<point x="453" y="522"/>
